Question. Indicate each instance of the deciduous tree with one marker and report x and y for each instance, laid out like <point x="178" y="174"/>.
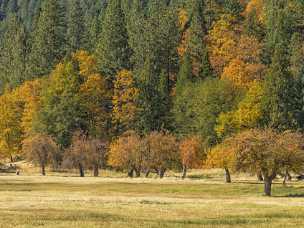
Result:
<point x="40" y="149"/>
<point x="192" y="153"/>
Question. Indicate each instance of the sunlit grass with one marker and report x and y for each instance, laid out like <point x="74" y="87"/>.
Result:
<point x="62" y="201"/>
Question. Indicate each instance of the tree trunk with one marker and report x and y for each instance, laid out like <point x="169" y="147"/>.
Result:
<point x="227" y="176"/>
<point x="11" y="158"/>
<point x="81" y="170"/>
<point x="267" y="186"/>
<point x="260" y="176"/>
<point x="287" y="177"/>
<point x="43" y="169"/>
<point x="162" y="172"/>
<point x="96" y="170"/>
<point x="131" y="173"/>
<point x="137" y="172"/>
<point x="147" y="173"/>
<point x="184" y="174"/>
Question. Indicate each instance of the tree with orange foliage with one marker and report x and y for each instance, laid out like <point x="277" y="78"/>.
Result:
<point x="96" y="151"/>
<point x="75" y="156"/>
<point x="222" y="42"/>
<point x="255" y="7"/>
<point x="245" y="66"/>
<point x="126" y="153"/>
<point x="242" y="74"/>
<point x="191" y="153"/>
<point x="268" y="152"/>
<point x="96" y="99"/>
<point x="233" y="56"/>
<point x="94" y="93"/>
<point x="162" y="152"/>
<point x="41" y="149"/>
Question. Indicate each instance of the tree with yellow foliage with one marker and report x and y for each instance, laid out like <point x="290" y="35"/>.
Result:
<point x="222" y="40"/>
<point x="124" y="101"/>
<point x="248" y="114"/>
<point x="11" y="109"/>
<point x="29" y="93"/>
<point x="222" y="156"/>
<point x="257" y="8"/>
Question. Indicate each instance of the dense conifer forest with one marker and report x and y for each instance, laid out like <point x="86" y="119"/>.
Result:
<point x="153" y="85"/>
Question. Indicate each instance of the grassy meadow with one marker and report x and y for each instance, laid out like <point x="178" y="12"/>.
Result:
<point x="203" y="200"/>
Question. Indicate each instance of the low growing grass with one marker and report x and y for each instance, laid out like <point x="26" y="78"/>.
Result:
<point x="61" y="201"/>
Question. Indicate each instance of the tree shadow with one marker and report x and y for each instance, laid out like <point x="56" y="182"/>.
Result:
<point x="295" y="195"/>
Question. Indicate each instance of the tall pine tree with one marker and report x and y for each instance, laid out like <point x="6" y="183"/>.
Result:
<point x="281" y="103"/>
<point x="75" y="28"/>
<point x="48" y="41"/>
<point x="13" y="54"/>
<point x="113" y="52"/>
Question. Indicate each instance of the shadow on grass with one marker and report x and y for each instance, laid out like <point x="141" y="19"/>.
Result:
<point x="199" y="176"/>
<point x="296" y="195"/>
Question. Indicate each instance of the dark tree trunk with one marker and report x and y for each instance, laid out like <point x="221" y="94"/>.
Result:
<point x="96" y="170"/>
<point x="227" y="176"/>
<point x="147" y="173"/>
<point x="137" y="172"/>
<point x="260" y="176"/>
<point x="11" y="158"/>
<point x="43" y="169"/>
<point x="184" y="174"/>
<point x="131" y="173"/>
<point x="267" y="186"/>
<point x="287" y="177"/>
<point x="162" y="172"/>
<point x="81" y="170"/>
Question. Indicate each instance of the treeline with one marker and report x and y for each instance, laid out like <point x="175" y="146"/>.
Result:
<point x="150" y="85"/>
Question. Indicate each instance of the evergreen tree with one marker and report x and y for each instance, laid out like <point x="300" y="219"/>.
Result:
<point x="48" y="42"/>
<point x="149" y="100"/>
<point x="297" y="70"/>
<point x="13" y="54"/>
<point x="197" y="47"/>
<point x="75" y="28"/>
<point x="281" y="103"/>
<point x="113" y="52"/>
<point x="233" y="7"/>
<point x="279" y="23"/>
<point x="93" y="25"/>
<point x="297" y="55"/>
<point x="183" y="85"/>
<point x="252" y="27"/>
<point x="184" y="74"/>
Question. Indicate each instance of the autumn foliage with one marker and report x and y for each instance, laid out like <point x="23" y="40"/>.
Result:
<point x="192" y="153"/>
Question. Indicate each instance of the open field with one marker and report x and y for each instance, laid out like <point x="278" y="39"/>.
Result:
<point x="58" y="201"/>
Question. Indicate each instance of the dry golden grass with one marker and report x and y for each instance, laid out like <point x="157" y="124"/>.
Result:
<point x="63" y="201"/>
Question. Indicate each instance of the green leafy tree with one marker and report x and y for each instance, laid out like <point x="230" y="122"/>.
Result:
<point x="62" y="111"/>
<point x="203" y="103"/>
